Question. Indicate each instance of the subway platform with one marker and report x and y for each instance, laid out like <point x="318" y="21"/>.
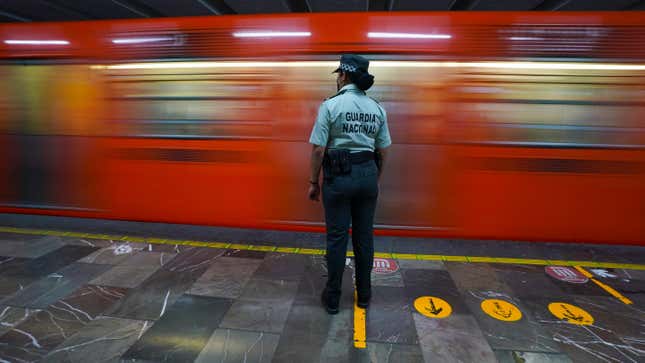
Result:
<point x="78" y="290"/>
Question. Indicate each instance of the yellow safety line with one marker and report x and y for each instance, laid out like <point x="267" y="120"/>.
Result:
<point x="359" y="325"/>
<point x="314" y="251"/>
<point x="606" y="287"/>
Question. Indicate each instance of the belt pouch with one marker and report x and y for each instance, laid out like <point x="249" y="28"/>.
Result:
<point x="337" y="162"/>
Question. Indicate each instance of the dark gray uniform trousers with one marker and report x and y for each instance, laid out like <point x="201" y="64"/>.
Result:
<point x="346" y="198"/>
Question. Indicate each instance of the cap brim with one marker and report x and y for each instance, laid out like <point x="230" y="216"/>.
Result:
<point x="337" y="70"/>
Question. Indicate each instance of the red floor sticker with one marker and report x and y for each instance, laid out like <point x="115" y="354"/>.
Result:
<point x="385" y="266"/>
<point x="567" y="274"/>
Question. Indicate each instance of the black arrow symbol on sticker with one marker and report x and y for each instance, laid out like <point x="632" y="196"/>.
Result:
<point x="570" y="316"/>
<point x="500" y="311"/>
<point x="433" y="309"/>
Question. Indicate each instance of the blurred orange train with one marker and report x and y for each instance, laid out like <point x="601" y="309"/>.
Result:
<point x="505" y="125"/>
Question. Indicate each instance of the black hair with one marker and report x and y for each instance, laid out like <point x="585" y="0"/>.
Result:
<point x="361" y="79"/>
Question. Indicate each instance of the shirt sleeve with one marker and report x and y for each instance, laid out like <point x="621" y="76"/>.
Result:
<point x="383" y="139"/>
<point x="320" y="132"/>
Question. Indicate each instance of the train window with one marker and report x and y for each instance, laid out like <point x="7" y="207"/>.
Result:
<point x="49" y="99"/>
<point x="183" y="104"/>
<point x="569" y="110"/>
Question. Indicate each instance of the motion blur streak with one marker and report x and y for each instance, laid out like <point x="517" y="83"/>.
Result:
<point x="517" y="127"/>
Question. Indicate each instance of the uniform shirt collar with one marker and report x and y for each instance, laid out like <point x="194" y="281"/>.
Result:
<point x="349" y="87"/>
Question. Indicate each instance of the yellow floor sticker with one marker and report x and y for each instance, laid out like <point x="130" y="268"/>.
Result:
<point x="570" y="313"/>
<point x="359" y="325"/>
<point x="501" y="310"/>
<point x="433" y="307"/>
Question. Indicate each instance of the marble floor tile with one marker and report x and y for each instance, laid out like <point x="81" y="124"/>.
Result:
<point x="150" y="300"/>
<point x="182" y="333"/>
<point x="55" y="286"/>
<point x="395" y="327"/>
<point x="269" y="290"/>
<point x="528" y="282"/>
<point x="294" y="347"/>
<point x="91" y="300"/>
<point x="623" y="319"/>
<point x="124" y="276"/>
<point x="389" y="317"/>
<point x="339" y="339"/>
<point x="386" y="353"/>
<point x="282" y="266"/>
<point x="9" y="285"/>
<point x="226" y="277"/>
<point x="509" y="356"/>
<point x="10" y="282"/>
<point x="50" y="262"/>
<point x="37" y="335"/>
<point x="589" y="288"/>
<point x="387" y="279"/>
<point x="233" y="346"/>
<point x="194" y="259"/>
<point x="105" y="339"/>
<point x="437" y="283"/>
<point x="257" y="315"/>
<point x="11" y="316"/>
<point x="167" y="248"/>
<point x="148" y="259"/>
<point x="625" y="285"/>
<point x="456" y="338"/>
<point x="305" y="333"/>
<point x="476" y="276"/>
<point x="314" y="280"/>
<point x="9" y="263"/>
<point x="113" y="254"/>
<point x="31" y="248"/>
<point x="525" y="334"/>
<point x="99" y="243"/>
<point x="246" y="254"/>
<point x="615" y="335"/>
<point x="633" y="274"/>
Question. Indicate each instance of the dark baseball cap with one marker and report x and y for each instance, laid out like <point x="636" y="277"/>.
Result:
<point x="352" y="63"/>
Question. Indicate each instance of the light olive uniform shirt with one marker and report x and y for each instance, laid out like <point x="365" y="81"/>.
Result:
<point x="351" y="120"/>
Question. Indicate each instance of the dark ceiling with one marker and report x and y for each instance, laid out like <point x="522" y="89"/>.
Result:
<point x="58" y="10"/>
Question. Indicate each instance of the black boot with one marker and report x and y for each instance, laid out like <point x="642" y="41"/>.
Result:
<point x="330" y="304"/>
<point x="364" y="300"/>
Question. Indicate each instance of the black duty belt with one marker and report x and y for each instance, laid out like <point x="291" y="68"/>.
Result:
<point x="361" y="157"/>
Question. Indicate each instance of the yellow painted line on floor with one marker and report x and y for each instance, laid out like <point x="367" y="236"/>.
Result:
<point x="404" y="256"/>
<point x="595" y="264"/>
<point x="286" y="249"/>
<point x="263" y="248"/>
<point x="478" y="259"/>
<point x="311" y="251"/>
<point x="359" y="325"/>
<point x="460" y="259"/>
<point x="520" y="261"/>
<point x="314" y="251"/>
<point x="558" y="262"/>
<point x="430" y="257"/>
<point x="604" y="286"/>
